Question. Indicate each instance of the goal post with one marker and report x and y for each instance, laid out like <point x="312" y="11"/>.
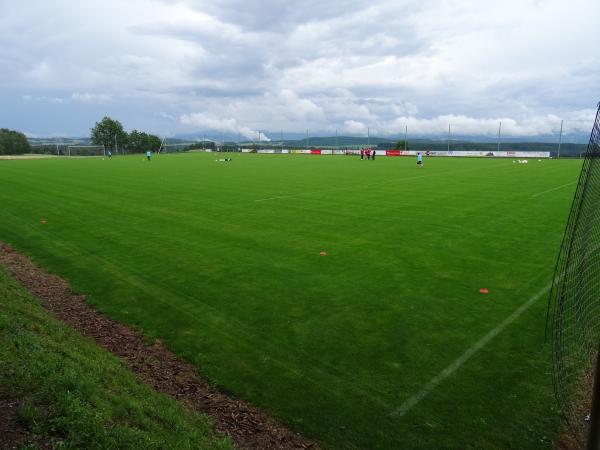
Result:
<point x="162" y="145"/>
<point x="86" y="150"/>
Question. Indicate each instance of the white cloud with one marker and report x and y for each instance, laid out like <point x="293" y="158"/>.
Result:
<point x="298" y="108"/>
<point x="204" y="121"/>
<point x="89" y="97"/>
<point x="42" y="98"/>
<point x="460" y="125"/>
<point x="311" y="64"/>
<point x="353" y="127"/>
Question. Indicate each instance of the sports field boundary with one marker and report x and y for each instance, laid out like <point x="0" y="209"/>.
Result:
<point x="430" y="386"/>
<point x="246" y="425"/>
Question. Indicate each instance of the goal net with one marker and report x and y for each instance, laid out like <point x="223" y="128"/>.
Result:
<point x="575" y="300"/>
<point x="86" y="150"/>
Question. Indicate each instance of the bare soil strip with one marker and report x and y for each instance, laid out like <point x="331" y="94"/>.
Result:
<point x="12" y="433"/>
<point x="577" y="427"/>
<point x="246" y="425"/>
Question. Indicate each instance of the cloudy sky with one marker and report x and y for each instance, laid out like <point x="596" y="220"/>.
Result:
<point x="237" y="66"/>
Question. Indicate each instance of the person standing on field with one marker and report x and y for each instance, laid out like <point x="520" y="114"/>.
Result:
<point x="419" y="159"/>
<point x="148" y="155"/>
<point x="373" y="155"/>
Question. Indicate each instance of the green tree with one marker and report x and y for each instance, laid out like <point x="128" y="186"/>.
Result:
<point x="139" y="142"/>
<point x="110" y="133"/>
<point x="13" y="143"/>
<point x="400" y="145"/>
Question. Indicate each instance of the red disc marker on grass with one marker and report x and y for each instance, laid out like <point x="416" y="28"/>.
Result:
<point x="484" y="291"/>
<point x="323" y="253"/>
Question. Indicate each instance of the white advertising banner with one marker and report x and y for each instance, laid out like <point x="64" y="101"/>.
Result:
<point x="451" y="153"/>
<point x="489" y="154"/>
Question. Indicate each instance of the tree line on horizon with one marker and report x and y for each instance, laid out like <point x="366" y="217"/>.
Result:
<point x="111" y="134"/>
<point x="107" y="132"/>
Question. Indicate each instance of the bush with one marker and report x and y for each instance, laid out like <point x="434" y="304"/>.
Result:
<point x="13" y="143"/>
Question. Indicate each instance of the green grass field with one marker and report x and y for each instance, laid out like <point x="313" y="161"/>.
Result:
<point x="222" y="262"/>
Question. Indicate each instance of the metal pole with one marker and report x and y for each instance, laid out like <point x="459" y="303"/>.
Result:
<point x="405" y="134"/>
<point x="336" y="141"/>
<point x="306" y="143"/>
<point x="499" y="130"/>
<point x="448" y="138"/>
<point x="560" y="139"/>
<point x="594" y="429"/>
<point x="368" y="138"/>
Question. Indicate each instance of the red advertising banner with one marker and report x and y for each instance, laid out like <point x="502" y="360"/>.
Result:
<point x="393" y="153"/>
<point x="315" y="152"/>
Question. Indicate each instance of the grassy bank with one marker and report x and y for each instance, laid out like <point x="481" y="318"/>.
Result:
<point x="73" y="394"/>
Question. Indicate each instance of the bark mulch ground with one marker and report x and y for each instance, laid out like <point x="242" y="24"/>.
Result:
<point x="12" y="433"/>
<point x="577" y="428"/>
<point x="246" y="425"/>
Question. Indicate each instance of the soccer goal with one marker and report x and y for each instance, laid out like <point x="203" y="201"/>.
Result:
<point x="86" y="150"/>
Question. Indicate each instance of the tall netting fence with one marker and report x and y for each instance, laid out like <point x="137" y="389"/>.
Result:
<point x="575" y="298"/>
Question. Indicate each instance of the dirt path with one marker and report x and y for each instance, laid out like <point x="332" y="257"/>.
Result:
<point x="246" y="425"/>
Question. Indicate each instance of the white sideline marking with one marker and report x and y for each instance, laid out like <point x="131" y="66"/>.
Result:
<point x="435" y="381"/>
<point x="554" y="189"/>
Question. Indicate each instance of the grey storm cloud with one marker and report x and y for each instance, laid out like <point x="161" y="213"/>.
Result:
<point x="240" y="66"/>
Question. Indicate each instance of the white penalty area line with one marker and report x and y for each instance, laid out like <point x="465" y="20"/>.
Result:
<point x="553" y="189"/>
<point x="412" y="401"/>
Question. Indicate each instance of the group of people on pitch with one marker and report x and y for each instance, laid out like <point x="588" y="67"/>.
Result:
<point x="370" y="154"/>
<point x="367" y="153"/>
